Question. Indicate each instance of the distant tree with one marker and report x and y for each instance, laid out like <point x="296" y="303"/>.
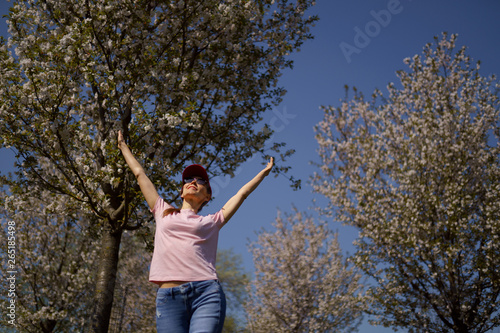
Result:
<point x="234" y="280"/>
<point x="302" y="282"/>
<point x="418" y="173"/>
<point x="54" y="266"/>
<point x="186" y="81"/>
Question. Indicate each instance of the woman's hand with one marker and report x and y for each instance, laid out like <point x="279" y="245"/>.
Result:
<point x="121" y="141"/>
<point x="268" y="167"/>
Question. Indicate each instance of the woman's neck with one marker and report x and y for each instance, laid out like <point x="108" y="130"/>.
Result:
<point x="187" y="204"/>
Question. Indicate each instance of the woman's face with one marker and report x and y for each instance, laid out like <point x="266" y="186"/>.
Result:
<point x="195" y="188"/>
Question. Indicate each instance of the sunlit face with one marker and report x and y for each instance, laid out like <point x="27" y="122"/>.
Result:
<point x="195" y="187"/>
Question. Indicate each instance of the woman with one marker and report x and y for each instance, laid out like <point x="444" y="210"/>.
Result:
<point x="189" y="298"/>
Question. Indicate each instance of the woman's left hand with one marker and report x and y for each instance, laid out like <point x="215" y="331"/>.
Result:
<point x="268" y="167"/>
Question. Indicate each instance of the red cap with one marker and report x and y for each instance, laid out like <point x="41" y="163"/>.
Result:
<point x="196" y="170"/>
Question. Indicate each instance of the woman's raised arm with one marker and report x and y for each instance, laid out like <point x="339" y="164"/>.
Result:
<point x="147" y="187"/>
<point x="235" y="202"/>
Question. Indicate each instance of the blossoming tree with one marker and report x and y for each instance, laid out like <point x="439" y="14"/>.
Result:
<point x="53" y="266"/>
<point x="186" y="81"/>
<point x="418" y="173"/>
<point x="302" y="282"/>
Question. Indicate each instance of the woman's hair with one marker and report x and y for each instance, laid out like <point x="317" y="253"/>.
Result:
<point x="169" y="211"/>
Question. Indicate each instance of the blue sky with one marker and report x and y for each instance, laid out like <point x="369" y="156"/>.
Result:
<point x="320" y="72"/>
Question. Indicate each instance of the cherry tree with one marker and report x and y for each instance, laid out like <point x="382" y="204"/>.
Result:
<point x="418" y="173"/>
<point x="54" y="266"/>
<point x="302" y="282"/>
<point x="186" y="81"/>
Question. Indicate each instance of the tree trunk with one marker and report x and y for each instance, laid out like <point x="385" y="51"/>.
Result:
<point x="106" y="278"/>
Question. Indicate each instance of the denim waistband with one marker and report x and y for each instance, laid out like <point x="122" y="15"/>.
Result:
<point x="187" y="287"/>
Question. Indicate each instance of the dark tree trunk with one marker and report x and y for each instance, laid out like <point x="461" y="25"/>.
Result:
<point x="106" y="278"/>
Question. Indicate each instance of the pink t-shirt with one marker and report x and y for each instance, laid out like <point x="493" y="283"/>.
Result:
<point x="185" y="245"/>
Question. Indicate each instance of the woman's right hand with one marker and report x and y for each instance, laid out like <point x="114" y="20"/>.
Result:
<point x="121" y="141"/>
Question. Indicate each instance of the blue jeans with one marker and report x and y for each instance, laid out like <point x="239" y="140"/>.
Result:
<point x="193" y="307"/>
